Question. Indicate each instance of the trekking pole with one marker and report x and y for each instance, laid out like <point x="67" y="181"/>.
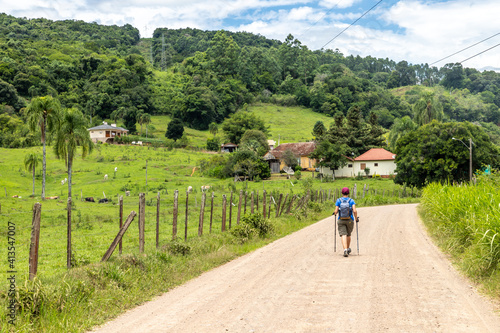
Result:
<point x="335" y="237"/>
<point x="357" y="234"/>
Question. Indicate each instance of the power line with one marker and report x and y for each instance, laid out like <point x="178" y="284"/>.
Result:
<point x="479" y="53"/>
<point x="359" y="18"/>
<point x="322" y="17"/>
<point x="468" y="47"/>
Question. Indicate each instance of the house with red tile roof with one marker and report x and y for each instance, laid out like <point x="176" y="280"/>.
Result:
<point x="302" y="150"/>
<point x="381" y="162"/>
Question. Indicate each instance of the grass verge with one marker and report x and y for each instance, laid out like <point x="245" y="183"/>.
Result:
<point x="465" y="223"/>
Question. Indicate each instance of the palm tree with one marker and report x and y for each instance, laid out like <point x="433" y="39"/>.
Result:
<point x="43" y="112"/>
<point x="71" y="134"/>
<point x="400" y="128"/>
<point x="31" y="161"/>
<point x="213" y="128"/>
<point x="118" y="113"/>
<point x="427" y="108"/>
<point x="146" y="119"/>
<point x="143" y="118"/>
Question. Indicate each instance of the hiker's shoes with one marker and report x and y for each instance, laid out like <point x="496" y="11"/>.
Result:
<point x="346" y="254"/>
<point x="349" y="251"/>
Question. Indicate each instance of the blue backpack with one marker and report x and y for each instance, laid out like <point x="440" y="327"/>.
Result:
<point x="345" y="209"/>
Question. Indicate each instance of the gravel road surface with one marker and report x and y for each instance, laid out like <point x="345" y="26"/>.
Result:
<point x="399" y="282"/>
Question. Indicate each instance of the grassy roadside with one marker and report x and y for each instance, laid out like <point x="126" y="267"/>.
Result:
<point x="464" y="222"/>
<point x="78" y="299"/>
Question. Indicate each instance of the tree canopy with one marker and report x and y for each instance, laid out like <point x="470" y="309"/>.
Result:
<point x="429" y="154"/>
<point x="175" y="129"/>
<point x="235" y="126"/>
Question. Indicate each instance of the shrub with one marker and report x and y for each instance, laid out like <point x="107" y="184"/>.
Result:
<point x="257" y="222"/>
<point x="31" y="297"/>
<point x="243" y="232"/>
<point x="178" y="248"/>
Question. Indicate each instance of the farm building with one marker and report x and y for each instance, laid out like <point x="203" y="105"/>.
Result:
<point x="106" y="133"/>
<point x="302" y="150"/>
<point x="228" y="147"/>
<point x="379" y="161"/>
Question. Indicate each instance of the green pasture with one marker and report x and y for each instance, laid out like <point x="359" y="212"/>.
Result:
<point x="95" y="225"/>
<point x="286" y="124"/>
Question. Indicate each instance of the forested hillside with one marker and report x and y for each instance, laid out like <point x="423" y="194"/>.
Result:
<point x="205" y="76"/>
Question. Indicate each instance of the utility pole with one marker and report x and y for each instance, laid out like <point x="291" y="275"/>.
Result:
<point x="470" y="160"/>
<point x="470" y="155"/>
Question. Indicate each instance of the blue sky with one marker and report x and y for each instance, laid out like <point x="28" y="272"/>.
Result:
<point x="418" y="31"/>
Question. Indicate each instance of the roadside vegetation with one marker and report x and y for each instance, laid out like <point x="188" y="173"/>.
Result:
<point x="61" y="300"/>
<point x="464" y="220"/>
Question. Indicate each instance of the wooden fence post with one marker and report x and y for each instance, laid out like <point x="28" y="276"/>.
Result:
<point x="245" y="209"/>
<point x="251" y="202"/>
<point x="269" y="211"/>
<point x="35" y="240"/>
<point x="257" y="201"/>
<point x="212" y="211"/>
<point x="187" y="212"/>
<point x="239" y="207"/>
<point x="158" y="220"/>
<point x="202" y="213"/>
<point x="120" y="202"/>
<point x="230" y="209"/>
<point x="142" y="222"/>
<point x="119" y="236"/>
<point x="224" y="202"/>
<point x="291" y="203"/>
<point x="264" y="203"/>
<point x="283" y="205"/>
<point x="176" y="211"/>
<point x="279" y="205"/>
<point x="68" y="249"/>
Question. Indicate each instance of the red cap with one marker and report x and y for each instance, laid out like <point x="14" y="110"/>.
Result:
<point x="345" y="190"/>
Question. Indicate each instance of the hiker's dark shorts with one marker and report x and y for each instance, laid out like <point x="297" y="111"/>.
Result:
<point x="345" y="227"/>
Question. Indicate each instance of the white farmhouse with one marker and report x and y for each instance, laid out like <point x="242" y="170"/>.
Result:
<point x="106" y="133"/>
<point x="381" y="162"/>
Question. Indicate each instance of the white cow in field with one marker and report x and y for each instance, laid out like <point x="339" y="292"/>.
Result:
<point x="190" y="189"/>
<point x="205" y="188"/>
<point x="116" y="169"/>
<point x="105" y="177"/>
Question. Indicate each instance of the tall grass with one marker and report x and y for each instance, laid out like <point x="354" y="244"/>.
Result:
<point x="465" y="220"/>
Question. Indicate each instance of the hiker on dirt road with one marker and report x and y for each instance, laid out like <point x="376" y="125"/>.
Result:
<point x="346" y="208"/>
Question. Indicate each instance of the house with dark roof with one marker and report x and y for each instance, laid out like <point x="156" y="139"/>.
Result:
<point x="379" y="161"/>
<point x="302" y="150"/>
<point x="106" y="133"/>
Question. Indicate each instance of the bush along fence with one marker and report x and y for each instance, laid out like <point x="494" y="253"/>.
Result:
<point x="233" y="207"/>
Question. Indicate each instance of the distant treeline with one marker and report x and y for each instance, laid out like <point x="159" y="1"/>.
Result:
<point x="205" y="76"/>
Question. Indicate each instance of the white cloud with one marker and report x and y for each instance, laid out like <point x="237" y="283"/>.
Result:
<point x="338" y="3"/>
<point x="418" y="31"/>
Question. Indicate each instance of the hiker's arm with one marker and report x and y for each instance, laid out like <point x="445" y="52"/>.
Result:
<point x="336" y="210"/>
<point x="355" y="212"/>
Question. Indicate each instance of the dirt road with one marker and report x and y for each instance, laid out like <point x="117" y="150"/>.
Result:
<point x="400" y="282"/>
